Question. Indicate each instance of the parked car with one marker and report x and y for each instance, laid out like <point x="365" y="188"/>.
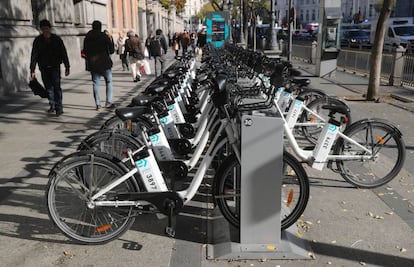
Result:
<point x="355" y="38"/>
<point x="301" y="34"/>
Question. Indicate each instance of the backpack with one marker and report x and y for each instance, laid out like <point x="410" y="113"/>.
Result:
<point x="155" y="46"/>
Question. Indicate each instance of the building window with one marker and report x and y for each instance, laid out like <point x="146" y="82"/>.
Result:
<point x="370" y="10"/>
<point x="307" y="15"/>
<point x="313" y="15"/>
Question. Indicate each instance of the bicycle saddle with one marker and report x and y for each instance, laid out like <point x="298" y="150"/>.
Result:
<point x="301" y="82"/>
<point x="145" y="100"/>
<point x="157" y="88"/>
<point x="131" y="113"/>
<point x="337" y="109"/>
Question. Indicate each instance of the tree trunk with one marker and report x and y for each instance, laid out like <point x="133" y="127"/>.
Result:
<point x="373" y="93"/>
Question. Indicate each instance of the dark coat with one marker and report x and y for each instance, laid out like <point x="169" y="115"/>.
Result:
<point x="48" y="53"/>
<point x="131" y="43"/>
<point x="98" y="47"/>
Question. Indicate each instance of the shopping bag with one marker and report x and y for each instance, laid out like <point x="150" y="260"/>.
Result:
<point x="38" y="89"/>
<point x="142" y="69"/>
<point x="146" y="54"/>
<point x="147" y="67"/>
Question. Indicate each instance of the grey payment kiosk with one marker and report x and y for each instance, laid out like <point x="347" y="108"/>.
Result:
<point x="328" y="37"/>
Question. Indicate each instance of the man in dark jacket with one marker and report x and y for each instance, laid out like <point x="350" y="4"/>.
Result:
<point x="49" y="52"/>
<point x="159" y="53"/>
<point x="98" y="48"/>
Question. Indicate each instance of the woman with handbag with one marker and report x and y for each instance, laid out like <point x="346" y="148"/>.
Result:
<point x="135" y="52"/>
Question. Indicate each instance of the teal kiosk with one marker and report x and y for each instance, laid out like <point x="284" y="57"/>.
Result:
<point x="218" y="30"/>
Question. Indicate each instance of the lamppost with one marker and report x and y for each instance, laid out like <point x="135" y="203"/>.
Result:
<point x="273" y="34"/>
<point x="241" y="23"/>
<point x="229" y="8"/>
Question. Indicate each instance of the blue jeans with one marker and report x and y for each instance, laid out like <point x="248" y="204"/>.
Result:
<point x="96" y="79"/>
<point x="51" y="81"/>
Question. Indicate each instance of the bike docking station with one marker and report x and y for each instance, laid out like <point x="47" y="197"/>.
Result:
<point x="260" y="235"/>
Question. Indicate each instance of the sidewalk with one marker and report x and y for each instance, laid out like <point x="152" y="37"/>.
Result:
<point x="342" y="226"/>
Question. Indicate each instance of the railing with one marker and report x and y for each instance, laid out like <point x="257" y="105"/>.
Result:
<point x="397" y="67"/>
<point x="358" y="61"/>
<point x="408" y="70"/>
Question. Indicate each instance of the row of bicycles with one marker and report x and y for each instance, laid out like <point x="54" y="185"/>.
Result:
<point x="188" y="121"/>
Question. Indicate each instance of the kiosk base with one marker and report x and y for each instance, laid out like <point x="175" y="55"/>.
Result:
<point x="224" y="244"/>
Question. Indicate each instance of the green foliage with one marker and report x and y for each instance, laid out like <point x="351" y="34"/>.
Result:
<point x="178" y="3"/>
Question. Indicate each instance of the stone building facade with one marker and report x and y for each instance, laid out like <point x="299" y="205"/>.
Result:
<point x="71" y="19"/>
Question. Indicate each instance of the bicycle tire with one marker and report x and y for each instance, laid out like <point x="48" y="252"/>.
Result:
<point x="134" y="127"/>
<point x="381" y="137"/>
<point x="295" y="190"/>
<point x="310" y="94"/>
<point x="113" y="142"/>
<point x="312" y="133"/>
<point x="69" y="187"/>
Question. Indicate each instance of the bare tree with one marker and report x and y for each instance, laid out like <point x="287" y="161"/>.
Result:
<point x="373" y="93"/>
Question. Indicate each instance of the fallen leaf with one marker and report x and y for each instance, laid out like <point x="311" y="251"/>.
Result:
<point x="403" y="250"/>
<point x="389" y="212"/>
<point x="333" y="242"/>
<point x="312" y="256"/>
<point x="362" y="263"/>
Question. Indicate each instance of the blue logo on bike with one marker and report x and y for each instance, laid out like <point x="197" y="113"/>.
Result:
<point x="171" y="107"/>
<point x="142" y="163"/>
<point x="164" y="120"/>
<point x="332" y="127"/>
<point x="154" y="138"/>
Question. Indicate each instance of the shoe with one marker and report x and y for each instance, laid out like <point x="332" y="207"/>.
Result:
<point x="51" y="110"/>
<point x="110" y="105"/>
<point x="135" y="80"/>
<point x="98" y="108"/>
<point x="59" y="112"/>
<point x="138" y="78"/>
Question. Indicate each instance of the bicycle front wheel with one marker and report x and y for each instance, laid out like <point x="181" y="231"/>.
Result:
<point x="387" y="148"/>
<point x="70" y="187"/>
<point x="295" y="190"/>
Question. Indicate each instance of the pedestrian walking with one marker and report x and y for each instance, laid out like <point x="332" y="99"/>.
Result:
<point x="98" y="48"/>
<point x="201" y="38"/>
<point x="158" y="49"/>
<point x="120" y="48"/>
<point x="176" y="43"/>
<point x="185" y="41"/>
<point x="148" y="43"/>
<point x="48" y="52"/>
<point x="135" y="52"/>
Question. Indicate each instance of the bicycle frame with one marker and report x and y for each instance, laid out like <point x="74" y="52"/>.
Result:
<point x="308" y="155"/>
<point x="224" y="126"/>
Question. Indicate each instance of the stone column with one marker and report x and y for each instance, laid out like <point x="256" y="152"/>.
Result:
<point x="142" y="20"/>
<point x="173" y="18"/>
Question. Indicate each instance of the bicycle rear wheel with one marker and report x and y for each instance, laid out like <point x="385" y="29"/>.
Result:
<point x="295" y="190"/>
<point x="70" y="187"/>
<point x="388" y="153"/>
